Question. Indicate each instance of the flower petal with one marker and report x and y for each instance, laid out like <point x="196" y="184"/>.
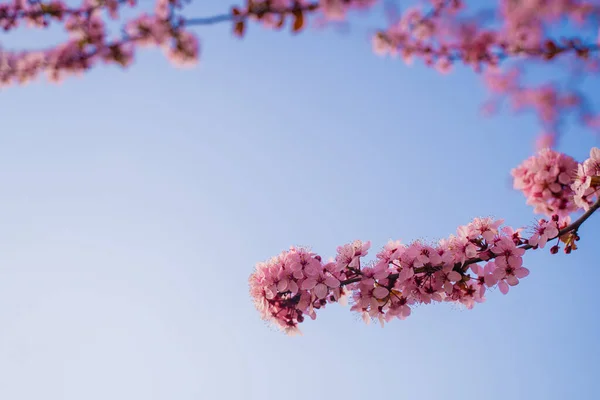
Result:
<point x="282" y="285"/>
<point x="503" y="287"/>
<point x="309" y="284"/>
<point x="521" y="272"/>
<point x="380" y="292"/>
<point x="454" y="276"/>
<point x="332" y="282"/>
<point x="512" y="280"/>
<point x="321" y="290"/>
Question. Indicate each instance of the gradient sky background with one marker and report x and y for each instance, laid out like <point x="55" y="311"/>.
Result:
<point x="134" y="205"/>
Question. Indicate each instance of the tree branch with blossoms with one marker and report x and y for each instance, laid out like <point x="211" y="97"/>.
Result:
<point x="502" y="42"/>
<point x="459" y="269"/>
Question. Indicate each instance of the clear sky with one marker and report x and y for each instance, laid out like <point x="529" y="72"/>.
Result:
<point x="134" y="205"/>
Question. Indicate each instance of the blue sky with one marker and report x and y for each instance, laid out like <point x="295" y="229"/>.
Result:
<point x="135" y="204"/>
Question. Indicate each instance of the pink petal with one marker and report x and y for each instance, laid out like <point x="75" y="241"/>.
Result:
<point x="366" y="318"/>
<point x="521" y="273"/>
<point x="405" y="311"/>
<point x="293" y="287"/>
<point x="332" y="282"/>
<point x="454" y="276"/>
<point x="512" y="280"/>
<point x="282" y="285"/>
<point x="383" y="274"/>
<point x="309" y="284"/>
<point x="503" y="287"/>
<point x="499" y="273"/>
<point x="373" y="303"/>
<point x="448" y="287"/>
<point x="405" y="274"/>
<point x="380" y="292"/>
<point x="534" y="240"/>
<point x="311" y="270"/>
<point x="488" y="236"/>
<point x="519" y="251"/>
<point x="515" y="262"/>
<point x="490" y="280"/>
<point x="321" y="290"/>
<point x="298" y="274"/>
<point x="295" y="266"/>
<point x="481" y="291"/>
<point x="501" y="262"/>
<point x="367" y="281"/>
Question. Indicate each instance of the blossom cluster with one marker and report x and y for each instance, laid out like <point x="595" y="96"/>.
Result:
<point x="89" y="42"/>
<point x="459" y="269"/>
<point x="554" y="183"/>
<point x="294" y="284"/>
<point x="546" y="180"/>
<point x="587" y="180"/>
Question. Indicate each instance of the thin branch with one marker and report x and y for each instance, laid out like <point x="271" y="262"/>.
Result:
<point x="258" y="10"/>
<point x="209" y="20"/>
<point x="572" y="228"/>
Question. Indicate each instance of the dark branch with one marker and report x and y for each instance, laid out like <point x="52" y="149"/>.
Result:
<point x="209" y="20"/>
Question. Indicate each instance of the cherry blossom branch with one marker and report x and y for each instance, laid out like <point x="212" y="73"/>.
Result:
<point x="458" y="269"/>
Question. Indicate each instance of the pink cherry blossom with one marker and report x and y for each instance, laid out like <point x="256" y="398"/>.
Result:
<point x="485" y="276"/>
<point x="546" y="180"/>
<point x="349" y="255"/>
<point x="545" y="231"/>
<point x="587" y="180"/>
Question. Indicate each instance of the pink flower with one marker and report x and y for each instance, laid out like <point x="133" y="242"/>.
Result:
<point x="508" y="265"/>
<point x="470" y="294"/>
<point x="447" y="277"/>
<point x="348" y="256"/>
<point x="399" y="307"/>
<point x="184" y="50"/>
<point x="380" y="292"/>
<point x="320" y="285"/>
<point x="487" y="228"/>
<point x="507" y="253"/>
<point x="545" y="231"/>
<point x="485" y="276"/>
<point x="424" y="255"/>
